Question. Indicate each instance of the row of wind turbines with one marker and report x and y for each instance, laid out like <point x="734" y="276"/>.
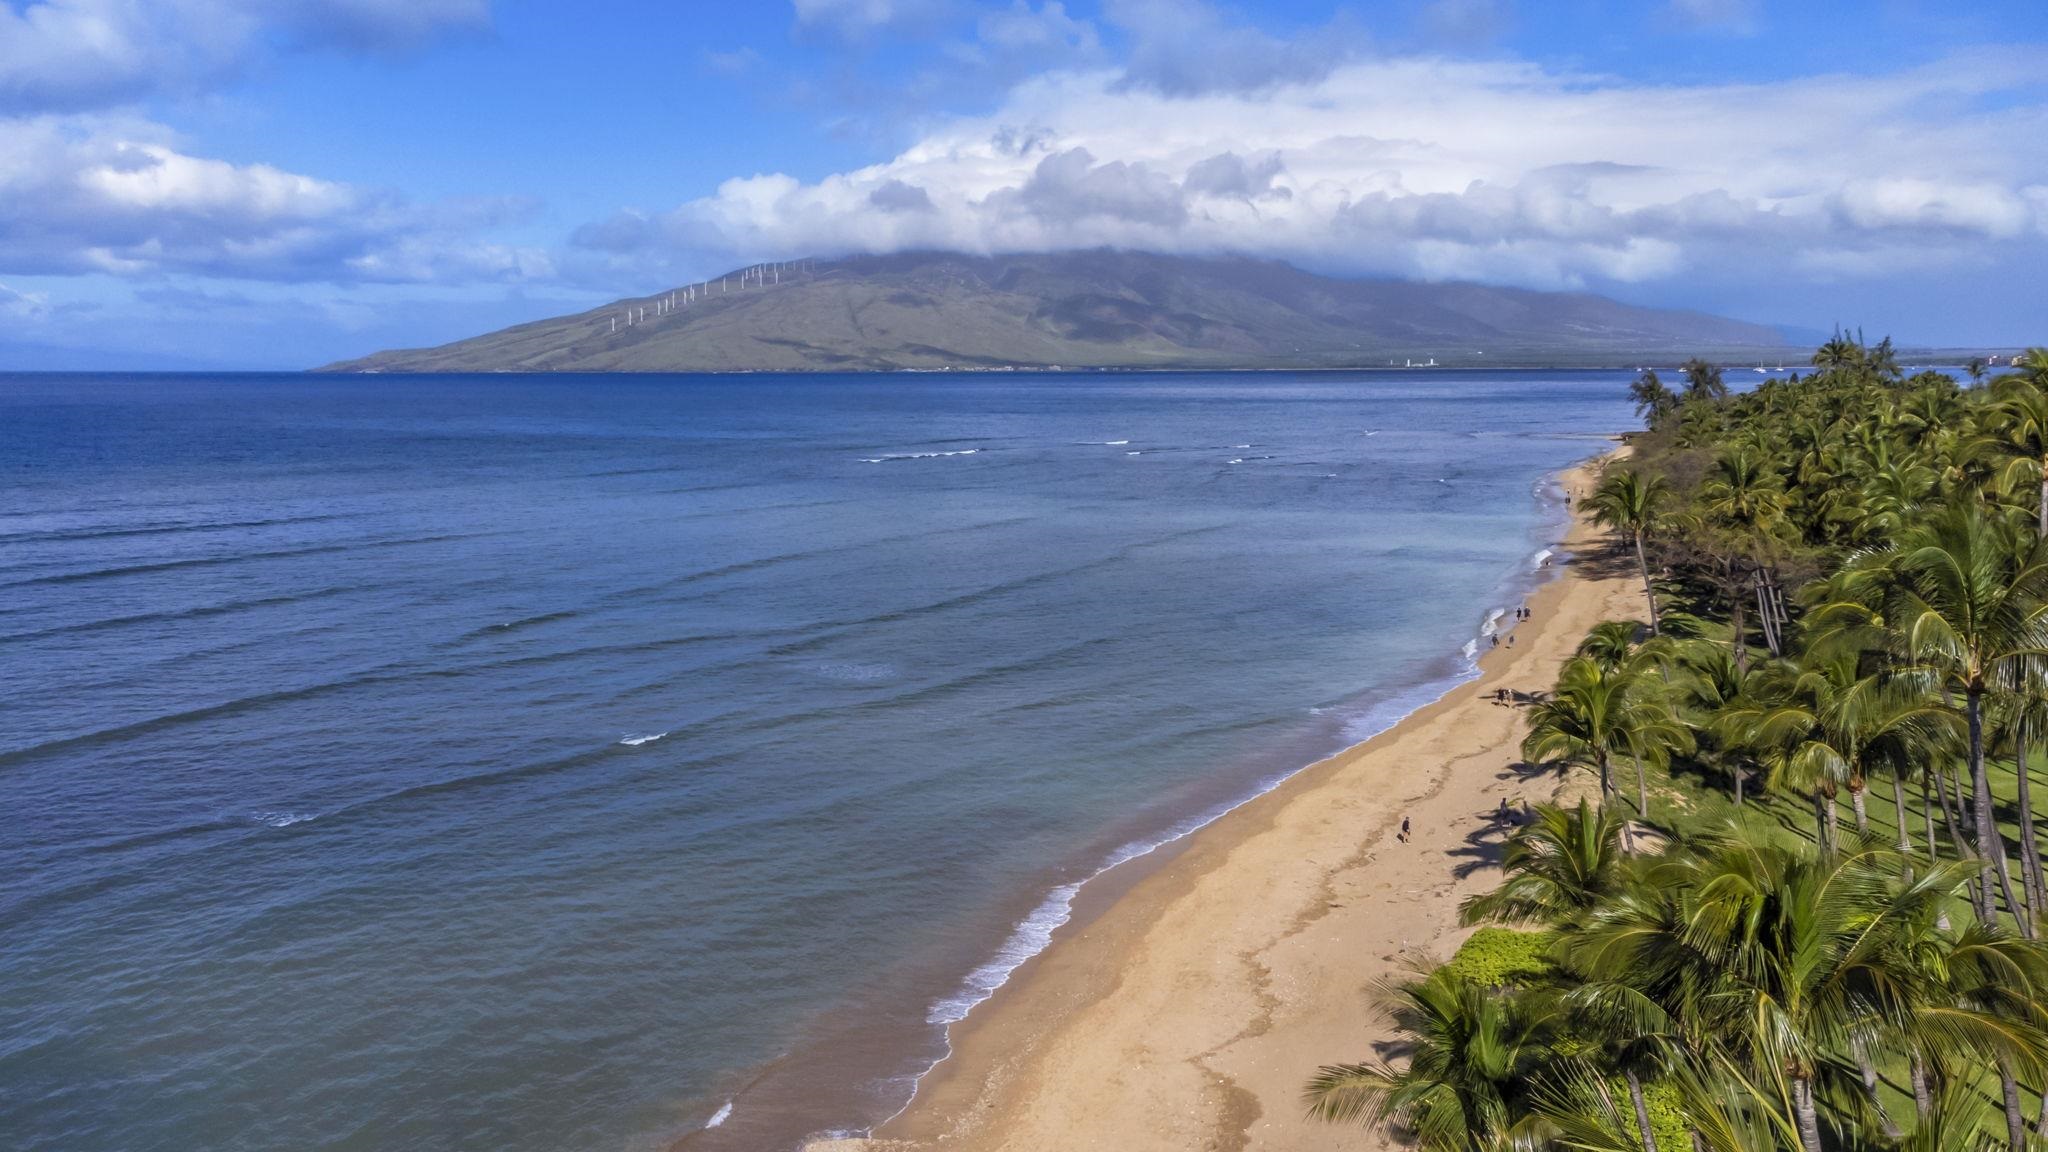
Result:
<point x="754" y="275"/>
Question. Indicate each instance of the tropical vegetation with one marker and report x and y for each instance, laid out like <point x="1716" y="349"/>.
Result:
<point x="1813" y="921"/>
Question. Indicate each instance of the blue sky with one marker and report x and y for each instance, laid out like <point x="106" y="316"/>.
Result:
<point x="256" y="183"/>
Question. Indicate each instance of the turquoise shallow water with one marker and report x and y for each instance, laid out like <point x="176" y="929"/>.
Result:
<point x="547" y="763"/>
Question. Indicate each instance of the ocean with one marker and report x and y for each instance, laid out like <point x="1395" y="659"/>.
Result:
<point x="561" y="763"/>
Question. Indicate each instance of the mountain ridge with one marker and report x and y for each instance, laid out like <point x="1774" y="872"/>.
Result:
<point x="1078" y="310"/>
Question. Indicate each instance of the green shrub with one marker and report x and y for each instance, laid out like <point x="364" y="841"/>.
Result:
<point x="1502" y="958"/>
<point x="1667" y="1118"/>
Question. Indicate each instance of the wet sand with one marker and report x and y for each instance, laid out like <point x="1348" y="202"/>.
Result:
<point x="1189" y="1012"/>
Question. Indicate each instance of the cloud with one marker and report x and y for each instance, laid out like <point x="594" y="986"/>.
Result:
<point x="1020" y="29"/>
<point x="71" y="55"/>
<point x="858" y="17"/>
<point x="1464" y="23"/>
<point x="1071" y="188"/>
<point x="1432" y="167"/>
<point x="1227" y="174"/>
<point x="118" y="197"/>
<point x="737" y="62"/>
<point x="1186" y="47"/>
<point x="896" y="196"/>
<point x="16" y="305"/>
<point x="1737" y="17"/>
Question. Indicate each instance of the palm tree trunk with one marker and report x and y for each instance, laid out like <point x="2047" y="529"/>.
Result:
<point x="1923" y="1097"/>
<point x="2022" y="914"/>
<point x="1809" y="1120"/>
<point x="1899" y="817"/>
<point x="1955" y="836"/>
<point x="1949" y="821"/>
<point x="2042" y="528"/>
<point x="1635" y="1094"/>
<point x="1741" y="642"/>
<point x="1927" y="814"/>
<point x="2015" y="1121"/>
<point x="1980" y="784"/>
<point x="2030" y="850"/>
<point x="1649" y="589"/>
<point x="1884" y="1118"/>
<point x="1857" y="787"/>
<point x="1642" y="791"/>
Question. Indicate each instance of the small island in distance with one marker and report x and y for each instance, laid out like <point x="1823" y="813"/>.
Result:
<point x="1081" y="310"/>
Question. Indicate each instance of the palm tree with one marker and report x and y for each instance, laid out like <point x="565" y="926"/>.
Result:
<point x="1840" y="353"/>
<point x="1559" y="865"/>
<point x="1960" y="999"/>
<point x="1881" y="360"/>
<point x="1823" y="724"/>
<point x="1612" y="643"/>
<point x="1727" y="1110"/>
<point x="1703" y="380"/>
<point x="1703" y="682"/>
<point x="1970" y="609"/>
<point x="1631" y="503"/>
<point x="2020" y="722"/>
<point x="1741" y="521"/>
<point x="1471" y="1056"/>
<point x="1793" y="968"/>
<point x="1618" y="1025"/>
<point x="1595" y="713"/>
<point x="1654" y="401"/>
<point x="2019" y="426"/>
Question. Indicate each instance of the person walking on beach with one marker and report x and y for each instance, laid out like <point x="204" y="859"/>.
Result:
<point x="1404" y="829"/>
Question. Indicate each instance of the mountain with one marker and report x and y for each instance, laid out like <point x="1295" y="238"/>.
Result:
<point x="1080" y="310"/>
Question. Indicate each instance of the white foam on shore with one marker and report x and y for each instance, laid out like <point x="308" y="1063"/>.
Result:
<point x="720" y="1116"/>
<point x="1537" y="561"/>
<point x="636" y="741"/>
<point x="1470" y="650"/>
<point x="1034" y="933"/>
<point x="1492" y="625"/>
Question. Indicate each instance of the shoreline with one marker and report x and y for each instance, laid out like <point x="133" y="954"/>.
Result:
<point x="1191" y="992"/>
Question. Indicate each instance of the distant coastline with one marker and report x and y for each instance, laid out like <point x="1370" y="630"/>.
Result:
<point x="1094" y="310"/>
<point x="1912" y="358"/>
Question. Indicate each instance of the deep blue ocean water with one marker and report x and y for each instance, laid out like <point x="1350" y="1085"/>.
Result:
<point x="524" y="763"/>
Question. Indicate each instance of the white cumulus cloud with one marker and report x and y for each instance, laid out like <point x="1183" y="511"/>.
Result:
<point x="1428" y="166"/>
<point x="88" y="195"/>
<point x="58" y="55"/>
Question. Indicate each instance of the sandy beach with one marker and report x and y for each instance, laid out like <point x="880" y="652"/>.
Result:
<point x="1189" y="1012"/>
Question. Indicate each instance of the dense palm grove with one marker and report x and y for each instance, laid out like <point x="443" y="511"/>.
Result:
<point x="1802" y="908"/>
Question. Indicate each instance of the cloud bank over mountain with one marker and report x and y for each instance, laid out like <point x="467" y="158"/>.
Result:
<point x="1433" y="167"/>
